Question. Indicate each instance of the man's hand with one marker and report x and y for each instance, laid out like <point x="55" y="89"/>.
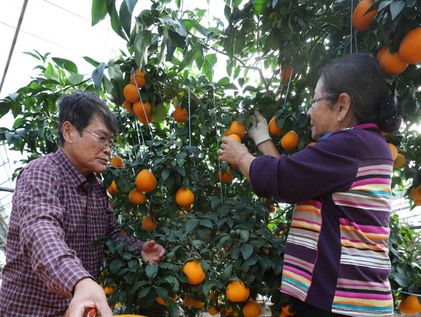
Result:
<point x="152" y="252"/>
<point x="88" y="294"/>
<point x="259" y="131"/>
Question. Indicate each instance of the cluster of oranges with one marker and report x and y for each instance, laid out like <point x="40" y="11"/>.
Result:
<point x="133" y="103"/>
<point x="236" y="292"/>
<point x="289" y="141"/>
<point x="391" y="62"/>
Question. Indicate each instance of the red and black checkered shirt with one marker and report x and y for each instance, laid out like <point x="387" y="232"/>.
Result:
<point x="56" y="216"/>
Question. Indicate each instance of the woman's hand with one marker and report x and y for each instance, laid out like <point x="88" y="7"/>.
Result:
<point x="152" y="252"/>
<point x="259" y="130"/>
<point x="236" y="154"/>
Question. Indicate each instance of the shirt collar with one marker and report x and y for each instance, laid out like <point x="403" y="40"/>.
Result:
<point x="81" y="181"/>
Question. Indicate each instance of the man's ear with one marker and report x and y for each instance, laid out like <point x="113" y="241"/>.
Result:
<point x="344" y="106"/>
<point x="68" y="131"/>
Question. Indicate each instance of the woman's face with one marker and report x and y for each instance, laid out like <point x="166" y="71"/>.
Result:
<point x="322" y="113"/>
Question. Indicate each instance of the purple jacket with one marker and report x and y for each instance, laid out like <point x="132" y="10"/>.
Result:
<point x="336" y="255"/>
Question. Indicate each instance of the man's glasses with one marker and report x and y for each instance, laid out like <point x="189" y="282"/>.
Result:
<point x="104" y="141"/>
<point x="316" y="100"/>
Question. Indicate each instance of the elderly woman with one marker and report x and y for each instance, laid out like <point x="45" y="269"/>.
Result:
<point x="336" y="257"/>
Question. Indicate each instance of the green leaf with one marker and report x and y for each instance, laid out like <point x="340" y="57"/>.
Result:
<point x="98" y="11"/>
<point x="173" y="282"/>
<point x="144" y="292"/>
<point x="126" y="11"/>
<point x="66" y="64"/>
<point x="4" y="108"/>
<point x="98" y="74"/>
<point x="115" y="19"/>
<point x="91" y="61"/>
<point x="396" y="8"/>
<point x="246" y="250"/>
<point x="75" y="79"/>
<point x="244" y="235"/>
<point x="259" y="6"/>
<point x="141" y="45"/>
<point x="227" y="272"/>
<point x="151" y="270"/>
<point x="115" y="265"/>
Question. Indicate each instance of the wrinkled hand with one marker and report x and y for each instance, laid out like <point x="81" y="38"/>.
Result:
<point x="152" y="252"/>
<point x="88" y="294"/>
<point x="231" y="151"/>
<point x="259" y="130"/>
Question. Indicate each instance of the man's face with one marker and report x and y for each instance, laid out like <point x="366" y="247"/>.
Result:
<point x="90" y="150"/>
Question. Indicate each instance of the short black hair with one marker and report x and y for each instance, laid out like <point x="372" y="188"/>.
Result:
<point x="360" y="76"/>
<point x="79" y="107"/>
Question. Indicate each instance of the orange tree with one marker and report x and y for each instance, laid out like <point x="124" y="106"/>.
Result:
<point x="273" y="50"/>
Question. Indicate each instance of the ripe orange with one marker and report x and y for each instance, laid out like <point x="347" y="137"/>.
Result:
<point x="184" y="197"/>
<point x="130" y="93"/>
<point x="117" y="162"/>
<point x="290" y="140"/>
<point x="192" y="302"/>
<point x="235" y="137"/>
<point x="361" y="19"/>
<point x="180" y="114"/>
<point x="416" y="195"/>
<point x="143" y="119"/>
<point x="112" y="189"/>
<point x="237" y="128"/>
<point x="140" y="78"/>
<point x="393" y="149"/>
<point x="252" y="309"/>
<point x="410" y="47"/>
<point x="390" y="63"/>
<point x="410" y="305"/>
<point x="399" y="161"/>
<point x="237" y="291"/>
<point x="285" y="311"/>
<point x="212" y="311"/>
<point x="145" y="181"/>
<point x="273" y="129"/>
<point x="226" y="176"/>
<point x="139" y="108"/>
<point x="128" y="106"/>
<point x="194" y="272"/>
<point x="148" y="223"/>
<point x="160" y="301"/>
<point x="286" y="74"/>
<point x="136" y="197"/>
<point x="108" y="290"/>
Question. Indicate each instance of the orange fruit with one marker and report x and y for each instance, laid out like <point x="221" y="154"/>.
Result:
<point x="130" y="93"/>
<point x="252" y="309"/>
<point x="112" y="189"/>
<point x="393" y="150"/>
<point x="148" y="223"/>
<point x="361" y="19"/>
<point x="145" y="181"/>
<point x="140" y="78"/>
<point x="180" y="115"/>
<point x="410" y="305"/>
<point x="237" y="291"/>
<point x="410" y="47"/>
<point x="416" y="195"/>
<point x="194" y="272"/>
<point x="145" y="120"/>
<point x="139" y="108"/>
<point x="136" y="197"/>
<point x="192" y="302"/>
<point x="235" y="137"/>
<point x="286" y="74"/>
<point x="237" y="128"/>
<point x="285" y="311"/>
<point x="117" y="162"/>
<point x="290" y="140"/>
<point x="160" y="301"/>
<point x="273" y="129"/>
<point x="212" y="311"/>
<point x="399" y="161"/>
<point x="226" y="176"/>
<point x="128" y="106"/>
<point x="184" y="197"/>
<point x="108" y="290"/>
<point x="390" y="63"/>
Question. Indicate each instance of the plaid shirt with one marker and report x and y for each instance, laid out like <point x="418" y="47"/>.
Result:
<point x="57" y="215"/>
